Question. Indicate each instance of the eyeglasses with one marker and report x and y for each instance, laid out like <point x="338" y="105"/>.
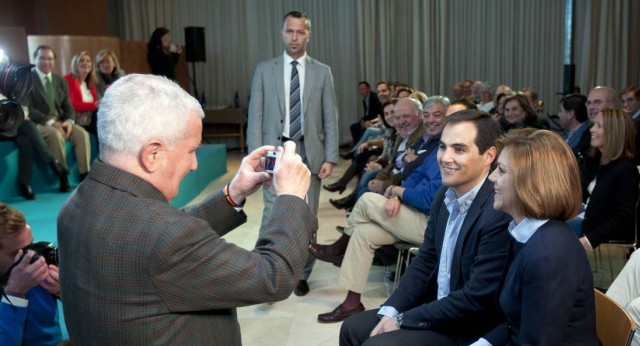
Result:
<point x="595" y="102"/>
<point x="11" y="116"/>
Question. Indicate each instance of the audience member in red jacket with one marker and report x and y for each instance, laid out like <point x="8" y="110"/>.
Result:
<point x="82" y="90"/>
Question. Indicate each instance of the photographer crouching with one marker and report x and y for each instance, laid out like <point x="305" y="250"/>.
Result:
<point x="29" y="310"/>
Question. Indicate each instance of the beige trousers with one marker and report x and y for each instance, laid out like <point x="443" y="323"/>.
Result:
<point x="370" y="228"/>
<point x="80" y="140"/>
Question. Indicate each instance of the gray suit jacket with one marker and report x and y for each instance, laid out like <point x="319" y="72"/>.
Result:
<point x="267" y="110"/>
<point x="136" y="271"/>
<point x="37" y="100"/>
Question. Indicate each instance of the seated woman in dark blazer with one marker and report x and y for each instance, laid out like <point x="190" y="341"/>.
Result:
<point x="546" y="294"/>
<point x="611" y="181"/>
<point x="108" y="70"/>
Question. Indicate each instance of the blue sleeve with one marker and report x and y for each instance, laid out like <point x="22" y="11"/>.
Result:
<point x="12" y="322"/>
<point x="422" y="185"/>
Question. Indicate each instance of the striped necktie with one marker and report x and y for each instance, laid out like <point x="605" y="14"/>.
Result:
<point x="51" y="98"/>
<point x="295" y="118"/>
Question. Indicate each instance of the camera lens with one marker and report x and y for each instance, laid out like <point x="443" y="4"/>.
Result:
<point x="11" y="116"/>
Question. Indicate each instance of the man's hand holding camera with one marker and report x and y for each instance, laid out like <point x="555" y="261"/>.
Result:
<point x="290" y="175"/>
<point x="26" y="275"/>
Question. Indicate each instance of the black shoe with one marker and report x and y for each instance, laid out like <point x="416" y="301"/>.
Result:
<point x="57" y="168"/>
<point x="83" y="176"/>
<point x="335" y="187"/>
<point x="26" y="192"/>
<point x="64" y="184"/>
<point x="344" y="203"/>
<point x="347" y="156"/>
<point x="340" y="229"/>
<point x="302" y="289"/>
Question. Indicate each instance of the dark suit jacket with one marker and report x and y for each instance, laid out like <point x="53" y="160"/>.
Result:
<point x="136" y="271"/>
<point x="37" y="100"/>
<point x="547" y="297"/>
<point x="469" y="311"/>
<point x="610" y="214"/>
<point x="375" y="108"/>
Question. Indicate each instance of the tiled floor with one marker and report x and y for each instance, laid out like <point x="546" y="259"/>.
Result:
<point x="294" y="320"/>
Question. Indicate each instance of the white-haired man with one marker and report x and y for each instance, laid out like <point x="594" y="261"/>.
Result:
<point x="141" y="271"/>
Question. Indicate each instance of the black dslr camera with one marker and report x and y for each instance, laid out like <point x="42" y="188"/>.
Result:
<point x="15" y="84"/>
<point x="44" y="249"/>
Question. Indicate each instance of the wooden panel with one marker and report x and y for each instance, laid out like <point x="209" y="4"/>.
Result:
<point x="13" y="41"/>
<point x="133" y="56"/>
<point x="67" y="46"/>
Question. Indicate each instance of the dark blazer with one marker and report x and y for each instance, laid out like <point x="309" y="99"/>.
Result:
<point x="37" y="100"/>
<point x="469" y="311"/>
<point x="547" y="297"/>
<point x="375" y="108"/>
<point x="610" y="213"/>
<point x="137" y="271"/>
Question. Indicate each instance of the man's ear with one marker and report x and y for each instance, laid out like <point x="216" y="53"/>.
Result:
<point x="490" y="155"/>
<point x="150" y="156"/>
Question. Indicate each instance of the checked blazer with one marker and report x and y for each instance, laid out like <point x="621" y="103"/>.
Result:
<point x="136" y="271"/>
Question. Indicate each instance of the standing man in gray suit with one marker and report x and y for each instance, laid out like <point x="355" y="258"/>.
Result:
<point x="292" y="98"/>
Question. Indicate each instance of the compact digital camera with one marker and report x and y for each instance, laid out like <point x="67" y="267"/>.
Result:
<point x="270" y="161"/>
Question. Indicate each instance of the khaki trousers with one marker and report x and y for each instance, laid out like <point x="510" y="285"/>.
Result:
<point x="370" y="228"/>
<point x="80" y="140"/>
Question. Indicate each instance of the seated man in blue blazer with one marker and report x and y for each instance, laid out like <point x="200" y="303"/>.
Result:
<point x="447" y="295"/>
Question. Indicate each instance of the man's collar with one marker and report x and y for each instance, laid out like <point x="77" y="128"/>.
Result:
<point x="465" y="200"/>
<point x="42" y="74"/>
<point x="301" y="60"/>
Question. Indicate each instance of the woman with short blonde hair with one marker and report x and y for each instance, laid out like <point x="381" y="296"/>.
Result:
<point x="547" y="291"/>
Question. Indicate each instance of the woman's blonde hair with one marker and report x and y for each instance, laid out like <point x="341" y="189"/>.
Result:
<point x="108" y="53"/>
<point x="546" y="177"/>
<point x="620" y="135"/>
<point x="91" y="79"/>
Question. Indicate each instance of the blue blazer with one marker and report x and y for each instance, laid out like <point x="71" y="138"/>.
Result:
<point x="479" y="257"/>
<point x="547" y="297"/>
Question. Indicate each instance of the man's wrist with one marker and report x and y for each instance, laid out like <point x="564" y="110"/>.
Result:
<point x="13" y="293"/>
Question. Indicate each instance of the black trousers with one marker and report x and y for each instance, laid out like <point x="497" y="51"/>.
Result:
<point x="356" y="329"/>
<point x="29" y="141"/>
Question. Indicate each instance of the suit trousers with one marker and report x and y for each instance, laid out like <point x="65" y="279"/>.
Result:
<point x="29" y="141"/>
<point x="80" y="140"/>
<point x="356" y="329"/>
<point x="625" y="290"/>
<point x="313" y="199"/>
<point x="371" y="228"/>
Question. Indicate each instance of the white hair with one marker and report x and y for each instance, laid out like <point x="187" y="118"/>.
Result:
<point x="139" y="108"/>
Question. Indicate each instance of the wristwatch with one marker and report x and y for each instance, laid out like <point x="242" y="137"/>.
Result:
<point x="399" y="320"/>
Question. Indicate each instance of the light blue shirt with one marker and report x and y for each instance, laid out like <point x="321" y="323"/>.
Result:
<point x="525" y="229"/>
<point x="452" y="231"/>
<point x="458" y="208"/>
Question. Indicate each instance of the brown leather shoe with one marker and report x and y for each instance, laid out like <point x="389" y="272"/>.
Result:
<point x="322" y="253"/>
<point x="338" y="314"/>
